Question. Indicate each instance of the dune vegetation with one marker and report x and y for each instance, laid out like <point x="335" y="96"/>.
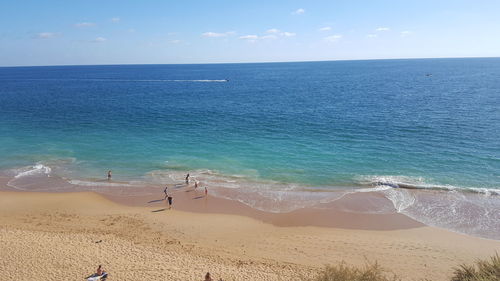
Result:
<point x="481" y="270"/>
<point x="344" y="272"/>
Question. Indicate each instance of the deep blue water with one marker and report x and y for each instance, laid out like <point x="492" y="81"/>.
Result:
<point x="325" y="124"/>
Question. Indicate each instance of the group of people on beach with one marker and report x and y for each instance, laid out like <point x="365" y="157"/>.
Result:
<point x="168" y="196"/>
<point x="102" y="275"/>
<point x="195" y="184"/>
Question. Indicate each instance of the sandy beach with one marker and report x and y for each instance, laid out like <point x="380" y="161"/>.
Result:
<point x="66" y="235"/>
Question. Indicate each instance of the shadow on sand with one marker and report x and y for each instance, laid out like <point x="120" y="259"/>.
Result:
<point x="154" y="201"/>
<point x="159" y="210"/>
<point x="199" y="197"/>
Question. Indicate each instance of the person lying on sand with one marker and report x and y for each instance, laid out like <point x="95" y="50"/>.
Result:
<point x="99" y="275"/>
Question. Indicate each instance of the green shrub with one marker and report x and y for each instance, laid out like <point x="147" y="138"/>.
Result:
<point x="343" y="272"/>
<point x="482" y="270"/>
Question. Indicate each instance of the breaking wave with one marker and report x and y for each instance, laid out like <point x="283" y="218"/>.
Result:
<point x="420" y="183"/>
<point x="37" y="169"/>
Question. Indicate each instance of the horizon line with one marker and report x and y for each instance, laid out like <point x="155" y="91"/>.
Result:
<point x="245" y="62"/>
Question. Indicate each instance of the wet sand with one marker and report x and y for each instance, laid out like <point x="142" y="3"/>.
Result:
<point x="43" y="235"/>
<point x="323" y="215"/>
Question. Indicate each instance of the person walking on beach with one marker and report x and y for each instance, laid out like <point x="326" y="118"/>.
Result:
<point x="206" y="191"/>
<point x="109" y="175"/>
<point x="195" y="184"/>
<point x="170" y="199"/>
<point x="187" y="178"/>
<point x="208" y="277"/>
<point x="166" y="192"/>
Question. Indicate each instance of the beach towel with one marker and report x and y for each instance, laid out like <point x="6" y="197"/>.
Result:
<point x="96" y="277"/>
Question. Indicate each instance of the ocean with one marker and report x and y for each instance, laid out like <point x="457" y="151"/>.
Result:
<point x="425" y="133"/>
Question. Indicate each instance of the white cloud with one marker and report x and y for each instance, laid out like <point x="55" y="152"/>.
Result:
<point x="372" y="35"/>
<point x="333" y="38"/>
<point x="405" y="33"/>
<point x="382" y="29"/>
<point x="46" y="35"/>
<point x="325" y="28"/>
<point x="175" y="41"/>
<point x="213" y="34"/>
<point x="270" y="36"/>
<point x="249" y="37"/>
<point x="298" y="12"/>
<point x="216" y="34"/>
<point x="273" y="33"/>
<point x="131" y="30"/>
<point x="115" y="19"/>
<point x="85" y="24"/>
<point x="99" y="40"/>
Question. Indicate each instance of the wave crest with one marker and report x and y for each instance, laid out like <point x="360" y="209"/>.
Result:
<point x="37" y="169"/>
<point x="420" y="183"/>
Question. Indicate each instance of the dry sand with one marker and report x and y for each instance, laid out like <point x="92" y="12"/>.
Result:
<point x="64" y="236"/>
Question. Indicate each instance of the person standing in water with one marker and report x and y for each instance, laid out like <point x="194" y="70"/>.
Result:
<point x="187" y="178"/>
<point x="195" y="184"/>
<point x="109" y="175"/>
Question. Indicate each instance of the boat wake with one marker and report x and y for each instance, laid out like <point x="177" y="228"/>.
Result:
<point x="130" y="80"/>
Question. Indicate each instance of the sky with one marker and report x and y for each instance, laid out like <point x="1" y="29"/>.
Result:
<point x="77" y="32"/>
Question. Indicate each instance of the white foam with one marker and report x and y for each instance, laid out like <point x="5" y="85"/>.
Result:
<point x="400" y="198"/>
<point x="35" y="170"/>
<point x="97" y="183"/>
<point x="374" y="189"/>
<point x="390" y="180"/>
<point x="421" y="183"/>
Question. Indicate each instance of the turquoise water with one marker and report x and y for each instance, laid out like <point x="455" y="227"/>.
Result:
<point x="275" y="136"/>
<point x="323" y="124"/>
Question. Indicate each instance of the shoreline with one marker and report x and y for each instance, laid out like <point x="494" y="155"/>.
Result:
<point x="375" y="208"/>
<point x="330" y="214"/>
<point x="325" y="215"/>
<point x="45" y="230"/>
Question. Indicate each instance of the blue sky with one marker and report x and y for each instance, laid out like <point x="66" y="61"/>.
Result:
<point x="134" y="32"/>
